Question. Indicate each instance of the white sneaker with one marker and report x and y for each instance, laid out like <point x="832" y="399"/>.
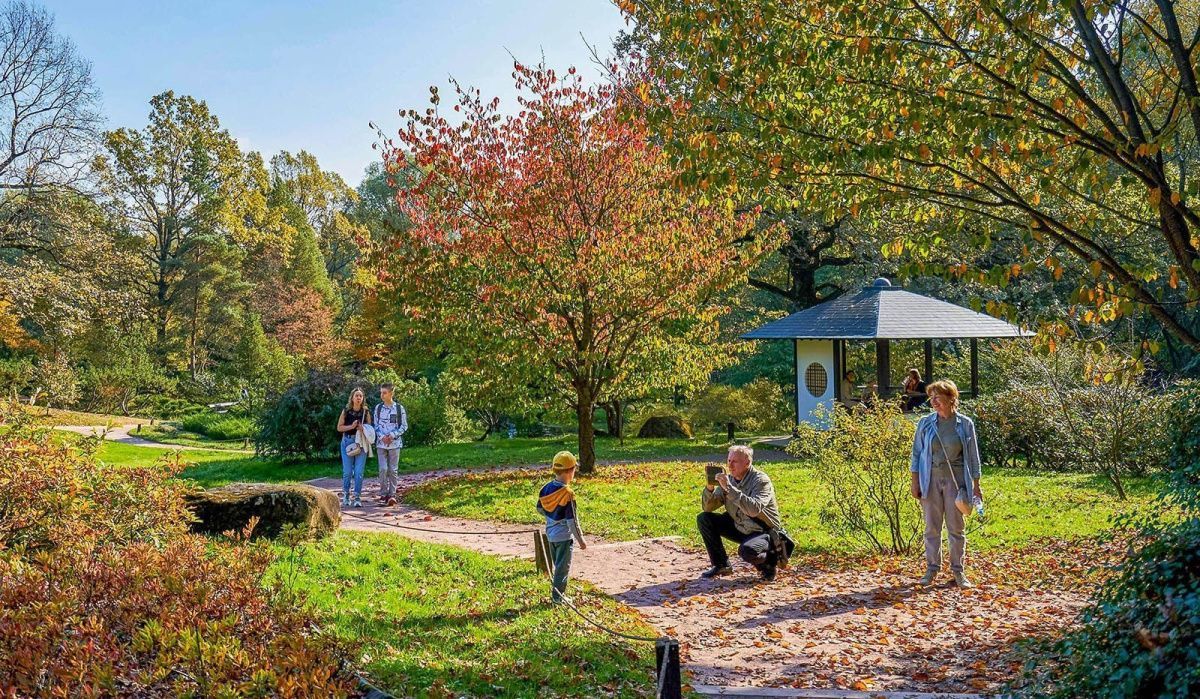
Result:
<point x="345" y="501"/>
<point x="357" y="502"/>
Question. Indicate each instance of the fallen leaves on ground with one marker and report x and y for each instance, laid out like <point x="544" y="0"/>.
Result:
<point x="864" y="624"/>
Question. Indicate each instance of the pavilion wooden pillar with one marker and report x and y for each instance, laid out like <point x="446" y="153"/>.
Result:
<point x="838" y="369"/>
<point x="883" y="367"/>
<point x="928" y="360"/>
<point x="796" y="380"/>
<point x="974" y="368"/>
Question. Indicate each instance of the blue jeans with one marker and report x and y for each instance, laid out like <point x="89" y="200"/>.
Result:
<point x="352" y="465"/>
<point x="560" y="553"/>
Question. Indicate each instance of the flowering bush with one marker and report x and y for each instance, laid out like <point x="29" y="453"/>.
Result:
<point x="104" y="593"/>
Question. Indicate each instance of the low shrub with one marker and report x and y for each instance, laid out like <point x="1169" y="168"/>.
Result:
<point x="220" y="425"/>
<point x="432" y="417"/>
<point x="302" y="421"/>
<point x="1114" y="428"/>
<point x="15" y="375"/>
<point x="758" y="407"/>
<point x="104" y="593"/>
<point x="165" y="407"/>
<point x="1016" y="429"/>
<point x="865" y="476"/>
<point x="665" y="427"/>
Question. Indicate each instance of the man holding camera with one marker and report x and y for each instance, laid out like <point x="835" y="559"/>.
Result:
<point x="751" y="518"/>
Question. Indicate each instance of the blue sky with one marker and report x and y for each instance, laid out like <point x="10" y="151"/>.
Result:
<point x="311" y="75"/>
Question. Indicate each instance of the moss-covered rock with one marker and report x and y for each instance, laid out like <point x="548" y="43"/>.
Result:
<point x="230" y="507"/>
<point x="665" y="427"/>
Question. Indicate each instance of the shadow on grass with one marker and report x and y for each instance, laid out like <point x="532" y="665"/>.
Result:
<point x="520" y="649"/>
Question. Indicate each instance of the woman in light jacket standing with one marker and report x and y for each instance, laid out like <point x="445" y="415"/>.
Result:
<point x="353" y="417"/>
<point x="945" y="459"/>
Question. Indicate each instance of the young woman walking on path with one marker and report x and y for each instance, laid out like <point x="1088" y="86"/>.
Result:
<point x="354" y="456"/>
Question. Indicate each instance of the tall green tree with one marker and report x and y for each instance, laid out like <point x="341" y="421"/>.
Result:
<point x="325" y="203"/>
<point x="174" y="184"/>
<point x="1075" y="122"/>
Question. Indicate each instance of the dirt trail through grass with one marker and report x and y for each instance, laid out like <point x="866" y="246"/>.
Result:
<point x="824" y="622"/>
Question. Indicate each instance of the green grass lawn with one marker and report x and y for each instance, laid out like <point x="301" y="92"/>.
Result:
<point x="211" y="468"/>
<point x="632" y="502"/>
<point x="540" y="450"/>
<point x="441" y="621"/>
<point x="170" y="434"/>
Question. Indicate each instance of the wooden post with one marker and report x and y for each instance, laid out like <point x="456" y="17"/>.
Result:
<point x="541" y="553"/>
<point x="928" y="361"/>
<point x="883" y="367"/>
<point x="666" y="652"/>
<point x="796" y="377"/>
<point x="974" y="368"/>
<point x="838" y="370"/>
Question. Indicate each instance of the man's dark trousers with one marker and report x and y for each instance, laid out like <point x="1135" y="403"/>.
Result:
<point x="754" y="549"/>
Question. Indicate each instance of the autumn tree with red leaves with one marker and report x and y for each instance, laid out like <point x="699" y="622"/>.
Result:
<point x="551" y="246"/>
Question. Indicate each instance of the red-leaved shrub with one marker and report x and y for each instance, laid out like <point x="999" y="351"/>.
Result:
<point x="103" y="592"/>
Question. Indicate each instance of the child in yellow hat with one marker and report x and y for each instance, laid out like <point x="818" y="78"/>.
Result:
<point x="556" y="502"/>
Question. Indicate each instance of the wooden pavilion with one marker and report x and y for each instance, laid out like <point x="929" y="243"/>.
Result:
<point x="880" y="313"/>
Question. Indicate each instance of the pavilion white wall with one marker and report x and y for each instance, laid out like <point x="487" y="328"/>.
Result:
<point x="815" y="380"/>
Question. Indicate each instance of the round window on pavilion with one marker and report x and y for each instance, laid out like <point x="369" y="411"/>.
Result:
<point x="816" y="379"/>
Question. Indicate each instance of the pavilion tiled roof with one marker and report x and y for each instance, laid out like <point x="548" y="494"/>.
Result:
<point x="885" y="312"/>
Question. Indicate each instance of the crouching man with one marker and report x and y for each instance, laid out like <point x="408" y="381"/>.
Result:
<point x="751" y="512"/>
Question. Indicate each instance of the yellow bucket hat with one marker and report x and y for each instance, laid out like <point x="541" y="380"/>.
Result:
<point x="563" y="461"/>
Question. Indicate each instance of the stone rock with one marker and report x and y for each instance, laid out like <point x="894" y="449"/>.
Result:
<point x="230" y="507"/>
<point x="666" y="427"/>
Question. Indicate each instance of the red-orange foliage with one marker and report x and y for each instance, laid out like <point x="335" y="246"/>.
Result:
<point x="552" y="245"/>
<point x="104" y="593"/>
<point x="300" y="320"/>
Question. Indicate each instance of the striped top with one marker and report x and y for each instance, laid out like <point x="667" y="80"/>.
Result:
<point x="556" y="502"/>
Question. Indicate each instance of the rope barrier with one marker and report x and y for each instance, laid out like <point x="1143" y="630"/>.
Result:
<point x="567" y="601"/>
<point x="397" y="525"/>
<point x="667" y="649"/>
<point x="666" y="653"/>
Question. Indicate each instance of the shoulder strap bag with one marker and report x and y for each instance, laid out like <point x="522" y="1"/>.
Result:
<point x="963" y="500"/>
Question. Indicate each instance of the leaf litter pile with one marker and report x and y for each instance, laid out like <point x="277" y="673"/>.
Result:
<point x="864" y="624"/>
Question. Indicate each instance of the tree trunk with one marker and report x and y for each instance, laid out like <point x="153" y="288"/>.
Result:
<point x="585" y="407"/>
<point x="612" y="416"/>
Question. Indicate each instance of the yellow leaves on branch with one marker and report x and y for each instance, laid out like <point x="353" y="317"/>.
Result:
<point x="1146" y="150"/>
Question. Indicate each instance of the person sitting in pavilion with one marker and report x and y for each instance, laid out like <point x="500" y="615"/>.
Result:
<point x="914" y="390"/>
